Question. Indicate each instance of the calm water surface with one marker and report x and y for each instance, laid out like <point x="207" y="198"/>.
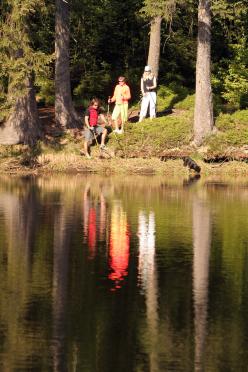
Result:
<point x="132" y="274"/>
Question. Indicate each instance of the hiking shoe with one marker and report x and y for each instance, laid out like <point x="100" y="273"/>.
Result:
<point x="103" y="147"/>
<point x="116" y="130"/>
<point x="87" y="156"/>
<point x="120" y="131"/>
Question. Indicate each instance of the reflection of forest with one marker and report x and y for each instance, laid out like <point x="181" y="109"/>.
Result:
<point x="66" y="241"/>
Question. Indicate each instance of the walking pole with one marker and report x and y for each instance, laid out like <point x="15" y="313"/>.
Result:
<point x="108" y="107"/>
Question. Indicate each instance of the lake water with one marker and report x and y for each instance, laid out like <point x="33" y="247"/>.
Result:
<point x="127" y="274"/>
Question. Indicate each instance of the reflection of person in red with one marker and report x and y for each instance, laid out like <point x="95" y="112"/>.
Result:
<point x="92" y="232"/>
<point x="118" y="246"/>
<point x="94" y="215"/>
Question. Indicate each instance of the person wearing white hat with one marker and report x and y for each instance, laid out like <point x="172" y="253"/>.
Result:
<point x="148" y="87"/>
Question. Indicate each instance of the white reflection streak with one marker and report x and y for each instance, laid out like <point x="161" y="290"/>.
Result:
<point x="202" y="242"/>
<point x="148" y="282"/>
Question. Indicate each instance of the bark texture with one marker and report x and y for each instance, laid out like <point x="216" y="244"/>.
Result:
<point x="65" y="114"/>
<point x="154" y="46"/>
<point x="203" y="118"/>
<point x="22" y="126"/>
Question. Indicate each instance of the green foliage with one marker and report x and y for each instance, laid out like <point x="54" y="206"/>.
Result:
<point x="230" y="52"/>
<point x="187" y="103"/>
<point x="18" y="60"/>
<point x="94" y="86"/>
<point x="238" y="120"/>
<point x="46" y="90"/>
<point x="169" y="95"/>
<point x="152" y="137"/>
<point x="164" y="9"/>
<point x="236" y="79"/>
<point x="233" y="131"/>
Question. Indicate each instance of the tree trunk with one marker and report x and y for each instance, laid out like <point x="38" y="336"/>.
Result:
<point x="203" y="118"/>
<point x="154" y="47"/>
<point x="65" y="114"/>
<point x="22" y="126"/>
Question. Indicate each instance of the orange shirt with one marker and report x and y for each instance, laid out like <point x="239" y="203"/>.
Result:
<point x="121" y="94"/>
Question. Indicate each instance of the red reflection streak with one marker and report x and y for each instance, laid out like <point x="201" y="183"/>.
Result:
<point x="92" y="232"/>
<point x="119" y="251"/>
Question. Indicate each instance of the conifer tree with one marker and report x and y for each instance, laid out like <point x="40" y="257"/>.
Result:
<point x="18" y="65"/>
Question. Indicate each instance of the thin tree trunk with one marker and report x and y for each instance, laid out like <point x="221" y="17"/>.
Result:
<point x="203" y="118"/>
<point x="22" y="126"/>
<point x="65" y="114"/>
<point x="154" y="47"/>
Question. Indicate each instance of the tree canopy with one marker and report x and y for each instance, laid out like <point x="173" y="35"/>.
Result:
<point x="108" y="38"/>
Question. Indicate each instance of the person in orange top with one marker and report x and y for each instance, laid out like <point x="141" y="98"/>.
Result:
<point x="121" y="97"/>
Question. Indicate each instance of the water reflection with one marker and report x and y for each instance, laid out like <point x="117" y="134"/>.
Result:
<point x="96" y="275"/>
<point x="119" y="245"/>
<point x="148" y="283"/>
<point x="94" y="217"/>
<point x="62" y="238"/>
<point x="201" y="244"/>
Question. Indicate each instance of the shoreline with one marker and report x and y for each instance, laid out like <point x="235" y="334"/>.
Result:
<point x="75" y="164"/>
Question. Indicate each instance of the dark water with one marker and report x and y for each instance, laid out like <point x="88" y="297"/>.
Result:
<point x="123" y="274"/>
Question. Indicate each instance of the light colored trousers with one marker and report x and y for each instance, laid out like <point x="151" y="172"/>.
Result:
<point x="148" y="98"/>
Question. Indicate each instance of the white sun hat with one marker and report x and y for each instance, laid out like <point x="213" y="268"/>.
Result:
<point x="147" y="68"/>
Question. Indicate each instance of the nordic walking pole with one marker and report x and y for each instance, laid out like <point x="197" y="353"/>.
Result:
<point x="108" y="107"/>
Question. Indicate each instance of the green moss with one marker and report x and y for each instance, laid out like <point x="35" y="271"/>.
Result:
<point x="232" y="131"/>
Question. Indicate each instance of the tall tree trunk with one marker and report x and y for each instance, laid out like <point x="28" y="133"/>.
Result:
<point x="203" y="119"/>
<point x="22" y="126"/>
<point x="65" y="113"/>
<point x="154" y="47"/>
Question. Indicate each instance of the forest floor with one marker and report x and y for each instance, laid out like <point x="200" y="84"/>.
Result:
<point x="150" y="147"/>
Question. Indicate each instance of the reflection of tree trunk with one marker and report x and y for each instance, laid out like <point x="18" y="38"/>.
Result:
<point x="60" y="273"/>
<point x="19" y="212"/>
<point x="148" y="279"/>
<point x="202" y="242"/>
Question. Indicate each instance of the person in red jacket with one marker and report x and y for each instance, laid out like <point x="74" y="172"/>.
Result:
<point x="121" y="97"/>
<point x="92" y="130"/>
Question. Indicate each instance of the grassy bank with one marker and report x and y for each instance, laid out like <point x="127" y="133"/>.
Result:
<point x="142" y="146"/>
